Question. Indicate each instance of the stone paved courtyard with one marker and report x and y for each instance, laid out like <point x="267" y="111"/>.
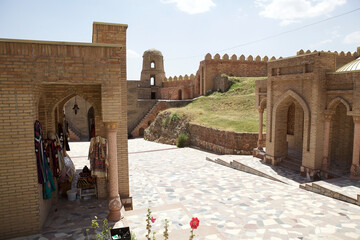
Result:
<point x="178" y="184"/>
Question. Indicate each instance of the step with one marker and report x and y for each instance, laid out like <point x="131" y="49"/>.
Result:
<point x="291" y="162"/>
<point x="290" y="165"/>
<point x="350" y="191"/>
<point x="294" y="159"/>
<point x="328" y="188"/>
<point x="223" y="162"/>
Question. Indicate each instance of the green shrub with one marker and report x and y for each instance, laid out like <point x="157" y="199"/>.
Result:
<point x="208" y="92"/>
<point x="182" y="140"/>
<point x="174" y="117"/>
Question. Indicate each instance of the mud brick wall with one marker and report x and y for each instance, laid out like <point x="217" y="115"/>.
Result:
<point x="223" y="142"/>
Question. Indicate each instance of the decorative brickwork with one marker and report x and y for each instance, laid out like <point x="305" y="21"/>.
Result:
<point x="310" y="81"/>
<point x="36" y="79"/>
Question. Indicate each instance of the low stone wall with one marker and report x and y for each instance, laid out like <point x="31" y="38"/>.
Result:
<point x="223" y="142"/>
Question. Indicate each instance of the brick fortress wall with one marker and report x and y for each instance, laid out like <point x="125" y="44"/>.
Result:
<point x="178" y="88"/>
<point x="239" y="67"/>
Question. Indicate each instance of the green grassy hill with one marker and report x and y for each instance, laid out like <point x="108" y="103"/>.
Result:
<point x="233" y="110"/>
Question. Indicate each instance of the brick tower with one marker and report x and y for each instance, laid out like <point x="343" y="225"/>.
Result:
<point x="152" y="74"/>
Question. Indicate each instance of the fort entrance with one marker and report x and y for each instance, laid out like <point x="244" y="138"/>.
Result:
<point x="289" y="132"/>
<point x="342" y="136"/>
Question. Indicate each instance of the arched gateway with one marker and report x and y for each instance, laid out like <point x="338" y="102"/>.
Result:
<point x="313" y="114"/>
<point x="290" y="126"/>
<point x="51" y="74"/>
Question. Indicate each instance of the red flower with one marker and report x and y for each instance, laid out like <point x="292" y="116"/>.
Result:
<point x="153" y="219"/>
<point x="194" y="223"/>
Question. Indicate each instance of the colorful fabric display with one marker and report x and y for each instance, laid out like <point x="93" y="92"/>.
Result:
<point x="45" y="176"/>
<point x="98" y="156"/>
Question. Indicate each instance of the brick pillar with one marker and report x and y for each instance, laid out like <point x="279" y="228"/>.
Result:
<point x="260" y="137"/>
<point x="114" y="198"/>
<point x="325" y="162"/>
<point x="355" y="169"/>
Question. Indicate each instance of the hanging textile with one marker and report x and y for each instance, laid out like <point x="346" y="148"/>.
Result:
<point x="98" y="156"/>
<point x="38" y="152"/>
<point x="63" y="136"/>
<point x="66" y="125"/>
<point x="45" y="176"/>
<point x="48" y="185"/>
<point x="54" y="153"/>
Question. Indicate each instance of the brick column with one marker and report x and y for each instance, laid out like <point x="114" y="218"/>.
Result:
<point x="260" y="137"/>
<point x="114" y="198"/>
<point x="325" y="162"/>
<point x="355" y="169"/>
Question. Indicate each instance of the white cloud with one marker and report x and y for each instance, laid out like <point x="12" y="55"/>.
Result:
<point x="321" y="43"/>
<point x="132" y="54"/>
<point x="353" y="37"/>
<point x="290" y="11"/>
<point x="335" y="34"/>
<point x="192" y="6"/>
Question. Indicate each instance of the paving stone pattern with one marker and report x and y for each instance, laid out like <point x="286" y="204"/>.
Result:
<point x="178" y="184"/>
<point x="266" y="170"/>
<point x="230" y="204"/>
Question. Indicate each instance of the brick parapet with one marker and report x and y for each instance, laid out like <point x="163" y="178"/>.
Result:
<point x="342" y="58"/>
<point x="241" y="58"/>
<point x="340" y="54"/>
<point x="180" y="78"/>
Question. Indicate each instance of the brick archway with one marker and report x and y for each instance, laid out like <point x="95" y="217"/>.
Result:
<point x="141" y="132"/>
<point x="334" y="103"/>
<point x="180" y="97"/>
<point x="299" y="143"/>
<point x="341" y="129"/>
<point x="58" y="99"/>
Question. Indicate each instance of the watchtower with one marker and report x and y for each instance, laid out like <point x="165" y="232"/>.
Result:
<point x="152" y="74"/>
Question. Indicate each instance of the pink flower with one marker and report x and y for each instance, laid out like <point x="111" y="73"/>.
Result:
<point x="194" y="223"/>
<point x="153" y="219"/>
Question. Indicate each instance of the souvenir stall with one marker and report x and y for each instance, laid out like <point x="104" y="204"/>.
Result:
<point x="89" y="180"/>
<point x="55" y="170"/>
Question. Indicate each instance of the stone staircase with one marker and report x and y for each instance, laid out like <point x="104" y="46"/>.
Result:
<point x="291" y="163"/>
<point x="73" y="136"/>
<point x="74" y="133"/>
<point x="338" y="188"/>
<point x="150" y="116"/>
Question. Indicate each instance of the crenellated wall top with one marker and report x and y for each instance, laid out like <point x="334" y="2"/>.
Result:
<point x="241" y="58"/>
<point x="179" y="78"/>
<point x="340" y="54"/>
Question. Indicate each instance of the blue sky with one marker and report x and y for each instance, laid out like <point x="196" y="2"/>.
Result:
<point x="185" y="30"/>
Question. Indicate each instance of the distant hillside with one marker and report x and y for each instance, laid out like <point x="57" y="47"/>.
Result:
<point x="233" y="110"/>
